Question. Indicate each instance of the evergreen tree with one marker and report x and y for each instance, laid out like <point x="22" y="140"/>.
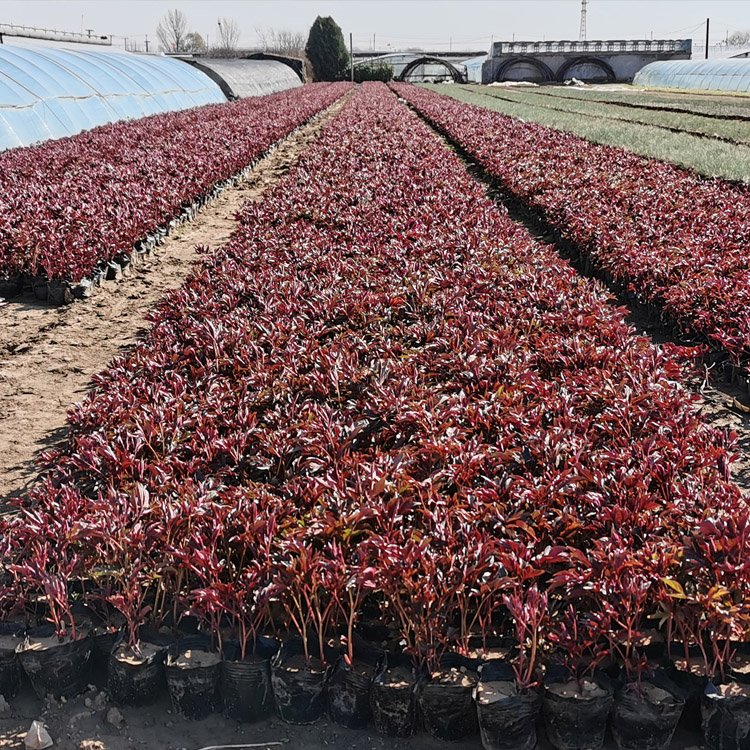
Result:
<point x="326" y="50"/>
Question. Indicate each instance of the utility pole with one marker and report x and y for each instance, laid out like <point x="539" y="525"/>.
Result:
<point x="708" y="22"/>
<point x="351" y="55"/>
<point x="582" y="29"/>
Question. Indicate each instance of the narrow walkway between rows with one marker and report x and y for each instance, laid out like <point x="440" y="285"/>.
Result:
<point x="48" y="355"/>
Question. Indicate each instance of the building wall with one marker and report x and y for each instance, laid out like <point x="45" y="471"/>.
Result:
<point x="615" y="60"/>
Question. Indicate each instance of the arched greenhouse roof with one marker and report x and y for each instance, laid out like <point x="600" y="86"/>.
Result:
<point x="731" y="75"/>
<point x="53" y="92"/>
<point x="240" y="78"/>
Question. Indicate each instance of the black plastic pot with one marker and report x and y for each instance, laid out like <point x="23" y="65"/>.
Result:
<point x="193" y="687"/>
<point x="11" y="287"/>
<point x="507" y="716"/>
<point x="299" y="688"/>
<point x="349" y="685"/>
<point x="10" y="671"/>
<point x="393" y="698"/>
<point x="645" y="717"/>
<point x="246" y="684"/>
<point x="138" y="679"/>
<point x="446" y="700"/>
<point x="577" y="719"/>
<point x="349" y="694"/>
<point x="102" y="644"/>
<point x="725" y="720"/>
<point x="60" y="669"/>
<point x="692" y="685"/>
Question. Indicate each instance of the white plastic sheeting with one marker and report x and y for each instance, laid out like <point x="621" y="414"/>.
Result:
<point x="241" y="78"/>
<point x="50" y="92"/>
<point x="732" y="75"/>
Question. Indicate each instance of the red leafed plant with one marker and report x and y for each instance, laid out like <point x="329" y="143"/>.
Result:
<point x="383" y="392"/>
<point x="529" y="612"/>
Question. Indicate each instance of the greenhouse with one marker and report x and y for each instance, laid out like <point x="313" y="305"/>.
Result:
<point x="240" y="78"/>
<point x="731" y="75"/>
<point x="51" y="92"/>
<point x="417" y="67"/>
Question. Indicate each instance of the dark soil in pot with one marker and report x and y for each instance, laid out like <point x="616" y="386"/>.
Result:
<point x="393" y="701"/>
<point x="446" y="703"/>
<point x="246" y="683"/>
<point x="491" y="650"/>
<point x="739" y="667"/>
<point x="136" y="678"/>
<point x="193" y="674"/>
<point x="645" y="716"/>
<point x="507" y="716"/>
<point x="725" y="713"/>
<point x="11" y="636"/>
<point x="576" y="713"/>
<point x="53" y="667"/>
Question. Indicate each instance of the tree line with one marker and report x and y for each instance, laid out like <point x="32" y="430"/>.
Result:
<point x="324" y="51"/>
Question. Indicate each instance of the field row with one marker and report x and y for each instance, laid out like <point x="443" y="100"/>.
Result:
<point x="673" y="239"/>
<point x="69" y="205"/>
<point x="383" y="400"/>
<point x="706" y="155"/>
<point x="720" y="107"/>
<point x="732" y="131"/>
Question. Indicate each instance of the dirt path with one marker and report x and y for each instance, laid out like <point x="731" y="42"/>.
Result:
<point x="48" y="355"/>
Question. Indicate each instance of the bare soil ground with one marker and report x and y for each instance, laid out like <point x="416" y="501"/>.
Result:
<point x="48" y="355"/>
<point x="719" y="409"/>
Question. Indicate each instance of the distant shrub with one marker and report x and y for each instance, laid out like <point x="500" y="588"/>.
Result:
<point x="373" y="72"/>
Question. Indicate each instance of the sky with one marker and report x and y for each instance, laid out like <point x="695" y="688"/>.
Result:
<point x="396" y="24"/>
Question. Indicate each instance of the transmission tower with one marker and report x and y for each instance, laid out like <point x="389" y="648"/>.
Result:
<point x="582" y="32"/>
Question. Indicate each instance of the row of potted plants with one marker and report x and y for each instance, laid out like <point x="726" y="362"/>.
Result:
<point x="379" y="687"/>
<point x="383" y="402"/>
<point x="664" y="234"/>
<point x="70" y="204"/>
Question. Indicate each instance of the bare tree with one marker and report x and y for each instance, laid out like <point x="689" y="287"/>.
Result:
<point x="172" y="31"/>
<point x="282" y="42"/>
<point x="229" y="35"/>
<point x="738" y="38"/>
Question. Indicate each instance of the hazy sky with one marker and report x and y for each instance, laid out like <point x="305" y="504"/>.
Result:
<point x="400" y="23"/>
